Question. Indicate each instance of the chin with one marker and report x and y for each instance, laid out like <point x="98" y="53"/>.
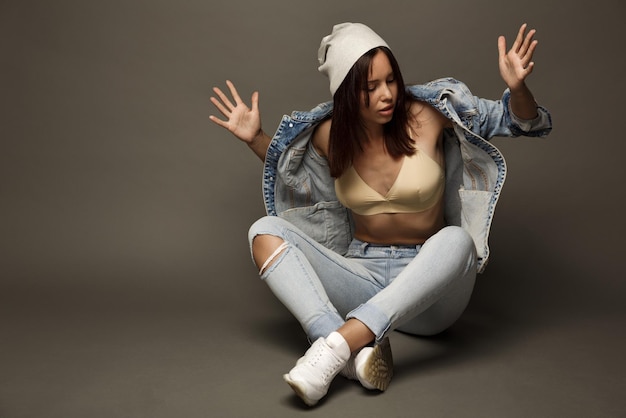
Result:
<point x="386" y="120"/>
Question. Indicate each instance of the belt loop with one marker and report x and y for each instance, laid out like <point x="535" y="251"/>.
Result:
<point x="363" y="248"/>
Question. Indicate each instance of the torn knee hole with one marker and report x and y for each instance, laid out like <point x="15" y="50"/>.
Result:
<point x="272" y="257"/>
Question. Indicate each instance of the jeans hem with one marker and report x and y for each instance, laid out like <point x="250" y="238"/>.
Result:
<point x="373" y="318"/>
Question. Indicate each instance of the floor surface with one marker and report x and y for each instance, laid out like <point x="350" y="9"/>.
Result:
<point x="74" y="351"/>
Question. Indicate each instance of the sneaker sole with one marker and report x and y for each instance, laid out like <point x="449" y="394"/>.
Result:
<point x="378" y="370"/>
<point x="299" y="391"/>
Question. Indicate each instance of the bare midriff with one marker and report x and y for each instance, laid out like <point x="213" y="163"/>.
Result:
<point x="399" y="228"/>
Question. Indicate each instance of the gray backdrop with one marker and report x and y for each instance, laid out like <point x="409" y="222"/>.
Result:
<point x="126" y="286"/>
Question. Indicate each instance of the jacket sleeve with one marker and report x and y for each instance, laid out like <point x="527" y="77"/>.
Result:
<point x="495" y="118"/>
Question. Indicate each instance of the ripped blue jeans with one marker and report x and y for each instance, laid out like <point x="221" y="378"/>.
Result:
<point x="419" y="289"/>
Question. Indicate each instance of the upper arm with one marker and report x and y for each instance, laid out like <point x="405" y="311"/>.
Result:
<point x="445" y="122"/>
<point x="321" y="137"/>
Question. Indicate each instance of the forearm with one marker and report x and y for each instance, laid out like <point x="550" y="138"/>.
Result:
<point x="260" y="144"/>
<point x="523" y="104"/>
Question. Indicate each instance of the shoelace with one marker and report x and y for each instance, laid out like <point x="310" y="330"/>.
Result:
<point x="331" y="365"/>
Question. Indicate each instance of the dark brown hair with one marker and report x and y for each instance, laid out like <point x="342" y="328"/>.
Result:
<point x="347" y="129"/>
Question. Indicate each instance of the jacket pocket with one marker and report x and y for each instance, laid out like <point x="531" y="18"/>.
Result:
<point x="326" y="222"/>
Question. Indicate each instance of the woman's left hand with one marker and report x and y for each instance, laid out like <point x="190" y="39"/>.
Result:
<point x="517" y="64"/>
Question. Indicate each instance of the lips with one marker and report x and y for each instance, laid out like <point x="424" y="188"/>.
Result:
<point x="387" y="110"/>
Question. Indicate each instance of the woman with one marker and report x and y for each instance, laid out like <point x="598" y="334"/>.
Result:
<point x="383" y="198"/>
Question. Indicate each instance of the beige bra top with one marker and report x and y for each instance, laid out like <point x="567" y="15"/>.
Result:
<point x="418" y="187"/>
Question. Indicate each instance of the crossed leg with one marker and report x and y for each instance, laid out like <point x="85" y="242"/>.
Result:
<point x="266" y="249"/>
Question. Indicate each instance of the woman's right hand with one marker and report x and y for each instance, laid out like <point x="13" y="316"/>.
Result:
<point x="241" y="121"/>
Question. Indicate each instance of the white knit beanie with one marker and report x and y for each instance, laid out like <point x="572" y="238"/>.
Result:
<point x="342" y="48"/>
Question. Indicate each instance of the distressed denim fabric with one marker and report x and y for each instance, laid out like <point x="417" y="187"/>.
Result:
<point x="421" y="289"/>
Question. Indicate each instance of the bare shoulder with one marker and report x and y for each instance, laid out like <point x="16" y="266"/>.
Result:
<point x="423" y="113"/>
<point x="321" y="137"/>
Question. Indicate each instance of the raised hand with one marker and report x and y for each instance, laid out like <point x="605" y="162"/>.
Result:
<point x="242" y="121"/>
<point x="516" y="64"/>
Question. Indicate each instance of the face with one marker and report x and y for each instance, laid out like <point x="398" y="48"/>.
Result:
<point x="382" y="91"/>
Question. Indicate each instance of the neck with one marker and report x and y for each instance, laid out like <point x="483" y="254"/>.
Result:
<point x="374" y="144"/>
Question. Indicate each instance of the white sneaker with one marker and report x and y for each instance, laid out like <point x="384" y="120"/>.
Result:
<point x="371" y="366"/>
<point x="313" y="373"/>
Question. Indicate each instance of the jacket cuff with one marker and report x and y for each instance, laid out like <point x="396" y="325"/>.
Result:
<point x="539" y="126"/>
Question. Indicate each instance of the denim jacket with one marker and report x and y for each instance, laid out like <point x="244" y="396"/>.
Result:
<point x="297" y="184"/>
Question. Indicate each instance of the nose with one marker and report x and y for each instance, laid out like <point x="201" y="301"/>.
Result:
<point x="386" y="92"/>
